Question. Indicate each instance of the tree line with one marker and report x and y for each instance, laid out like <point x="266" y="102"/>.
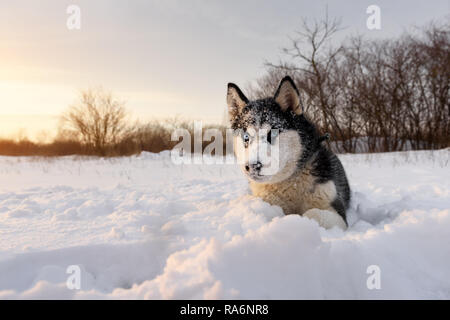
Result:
<point x="98" y="124"/>
<point x="370" y="95"/>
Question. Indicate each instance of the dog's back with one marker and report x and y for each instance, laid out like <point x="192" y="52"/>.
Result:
<point x="329" y="167"/>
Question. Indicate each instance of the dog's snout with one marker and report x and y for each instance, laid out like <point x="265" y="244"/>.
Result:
<point x="257" y="166"/>
<point x="254" y="166"/>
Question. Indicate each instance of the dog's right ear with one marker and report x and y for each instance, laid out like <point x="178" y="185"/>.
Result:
<point x="236" y="100"/>
<point x="287" y="96"/>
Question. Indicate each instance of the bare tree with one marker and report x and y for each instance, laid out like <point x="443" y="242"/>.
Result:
<point x="371" y="95"/>
<point x="98" y="120"/>
<point x="314" y="60"/>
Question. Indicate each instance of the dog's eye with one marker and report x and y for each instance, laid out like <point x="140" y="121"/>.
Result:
<point x="272" y="135"/>
<point x="245" y="138"/>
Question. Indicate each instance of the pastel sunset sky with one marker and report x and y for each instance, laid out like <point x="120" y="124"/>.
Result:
<point x="164" y="58"/>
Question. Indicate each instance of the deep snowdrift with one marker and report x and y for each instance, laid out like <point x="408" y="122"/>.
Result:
<point x="142" y="227"/>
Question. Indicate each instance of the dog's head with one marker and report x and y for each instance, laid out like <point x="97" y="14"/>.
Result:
<point x="271" y="135"/>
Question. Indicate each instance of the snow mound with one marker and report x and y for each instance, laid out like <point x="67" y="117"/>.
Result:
<point x="143" y="227"/>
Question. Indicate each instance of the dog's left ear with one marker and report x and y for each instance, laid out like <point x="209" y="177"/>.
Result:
<point x="236" y="100"/>
<point x="287" y="96"/>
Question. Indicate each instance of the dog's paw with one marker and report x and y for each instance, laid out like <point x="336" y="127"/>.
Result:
<point x="325" y="218"/>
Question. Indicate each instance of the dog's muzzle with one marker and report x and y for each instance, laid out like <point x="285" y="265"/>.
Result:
<point x="254" y="170"/>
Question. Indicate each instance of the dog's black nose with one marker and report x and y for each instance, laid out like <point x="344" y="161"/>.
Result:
<point x="254" y="166"/>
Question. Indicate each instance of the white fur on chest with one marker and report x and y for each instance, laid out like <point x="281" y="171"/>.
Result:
<point x="297" y="194"/>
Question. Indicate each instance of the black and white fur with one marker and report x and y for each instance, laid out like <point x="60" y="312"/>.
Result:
<point x="309" y="179"/>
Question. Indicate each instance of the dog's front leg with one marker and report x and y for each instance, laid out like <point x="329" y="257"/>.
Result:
<point x="326" y="218"/>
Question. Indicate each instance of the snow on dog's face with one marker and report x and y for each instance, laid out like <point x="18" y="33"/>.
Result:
<point x="267" y="142"/>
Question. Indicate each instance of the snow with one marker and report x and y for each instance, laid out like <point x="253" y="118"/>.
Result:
<point x="143" y="227"/>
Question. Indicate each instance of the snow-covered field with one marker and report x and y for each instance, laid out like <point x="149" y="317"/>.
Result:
<point x="143" y="227"/>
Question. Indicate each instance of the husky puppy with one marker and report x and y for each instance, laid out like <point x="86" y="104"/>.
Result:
<point x="303" y="176"/>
